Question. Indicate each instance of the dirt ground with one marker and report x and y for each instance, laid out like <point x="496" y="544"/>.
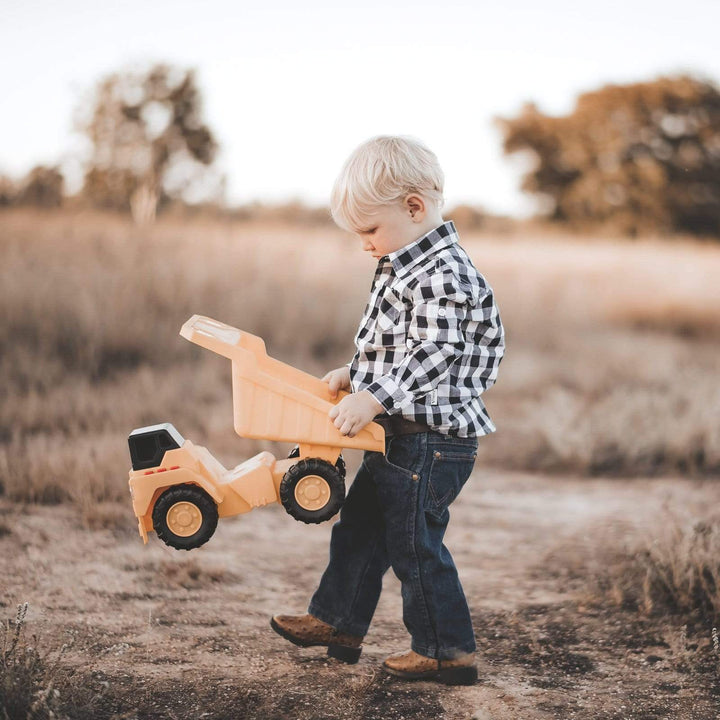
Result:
<point x="158" y="633"/>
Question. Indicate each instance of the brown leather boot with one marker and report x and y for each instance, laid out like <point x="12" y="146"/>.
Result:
<point x="308" y="631"/>
<point x="412" y="666"/>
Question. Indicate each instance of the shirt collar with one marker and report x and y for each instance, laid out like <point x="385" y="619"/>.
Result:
<point x="404" y="259"/>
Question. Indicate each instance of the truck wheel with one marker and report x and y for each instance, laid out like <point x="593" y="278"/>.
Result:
<point x="312" y="490"/>
<point x="340" y="464"/>
<point x="185" y="517"/>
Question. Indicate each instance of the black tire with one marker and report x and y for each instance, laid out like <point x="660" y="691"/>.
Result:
<point x="187" y="493"/>
<point x="321" y="469"/>
<point x="340" y="464"/>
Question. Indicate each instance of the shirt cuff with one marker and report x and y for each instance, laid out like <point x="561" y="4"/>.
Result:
<point x="389" y="394"/>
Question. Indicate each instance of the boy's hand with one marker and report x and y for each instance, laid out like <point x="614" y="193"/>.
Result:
<point x="338" y="380"/>
<point x="354" y="412"/>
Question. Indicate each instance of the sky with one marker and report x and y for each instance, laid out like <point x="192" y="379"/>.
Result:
<point x="290" y="88"/>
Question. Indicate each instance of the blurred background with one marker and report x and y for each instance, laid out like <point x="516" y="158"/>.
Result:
<point x="165" y="159"/>
<point x="187" y="168"/>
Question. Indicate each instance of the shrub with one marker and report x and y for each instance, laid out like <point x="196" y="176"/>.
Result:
<point x="26" y="681"/>
<point x="677" y="572"/>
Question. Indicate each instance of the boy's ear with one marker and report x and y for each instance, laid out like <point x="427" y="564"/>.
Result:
<point x="416" y="207"/>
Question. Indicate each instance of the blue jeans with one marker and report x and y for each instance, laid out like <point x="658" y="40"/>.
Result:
<point x="395" y="515"/>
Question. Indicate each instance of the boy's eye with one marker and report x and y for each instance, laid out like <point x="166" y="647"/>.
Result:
<point x="369" y="232"/>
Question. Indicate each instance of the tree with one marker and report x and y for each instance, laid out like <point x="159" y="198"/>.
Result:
<point x="42" y="187"/>
<point x="149" y="143"/>
<point x="8" y="191"/>
<point x="640" y="158"/>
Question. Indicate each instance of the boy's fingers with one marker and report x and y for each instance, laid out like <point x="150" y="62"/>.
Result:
<point x="333" y="413"/>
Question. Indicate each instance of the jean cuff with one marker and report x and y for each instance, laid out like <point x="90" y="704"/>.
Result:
<point x="443" y="653"/>
<point x="339" y="624"/>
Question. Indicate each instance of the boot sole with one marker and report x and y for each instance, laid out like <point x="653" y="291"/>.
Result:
<point x="349" y="655"/>
<point x="466" y="675"/>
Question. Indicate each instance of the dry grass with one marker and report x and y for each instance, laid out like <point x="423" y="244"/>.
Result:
<point x="675" y="570"/>
<point x="693" y="320"/>
<point x="673" y="576"/>
<point x="599" y="376"/>
<point x="27" y="677"/>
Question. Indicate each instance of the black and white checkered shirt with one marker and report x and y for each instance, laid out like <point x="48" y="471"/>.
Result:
<point x="430" y="340"/>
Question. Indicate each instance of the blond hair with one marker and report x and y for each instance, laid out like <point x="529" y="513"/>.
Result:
<point x="382" y="171"/>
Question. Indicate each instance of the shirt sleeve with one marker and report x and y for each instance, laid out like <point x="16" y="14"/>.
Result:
<point x="435" y="341"/>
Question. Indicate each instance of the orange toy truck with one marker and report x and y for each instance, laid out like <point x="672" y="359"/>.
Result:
<point x="180" y="490"/>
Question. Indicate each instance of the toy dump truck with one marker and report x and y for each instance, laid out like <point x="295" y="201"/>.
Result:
<point x="179" y="489"/>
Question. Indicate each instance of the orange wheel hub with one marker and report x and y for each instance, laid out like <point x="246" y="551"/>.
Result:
<point x="312" y="492"/>
<point x="184" y="519"/>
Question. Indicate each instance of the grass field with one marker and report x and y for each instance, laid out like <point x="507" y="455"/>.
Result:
<point x="587" y="542"/>
<point x="611" y="363"/>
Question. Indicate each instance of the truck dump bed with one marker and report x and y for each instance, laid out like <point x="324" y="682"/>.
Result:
<point x="273" y="400"/>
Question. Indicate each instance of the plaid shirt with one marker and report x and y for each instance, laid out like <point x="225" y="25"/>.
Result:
<point x="430" y="340"/>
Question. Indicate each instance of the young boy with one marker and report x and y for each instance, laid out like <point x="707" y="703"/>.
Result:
<point x="429" y="344"/>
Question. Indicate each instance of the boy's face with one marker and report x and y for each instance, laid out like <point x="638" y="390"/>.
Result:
<point x="390" y="228"/>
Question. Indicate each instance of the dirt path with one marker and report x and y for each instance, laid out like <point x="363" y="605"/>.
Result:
<point x="161" y="634"/>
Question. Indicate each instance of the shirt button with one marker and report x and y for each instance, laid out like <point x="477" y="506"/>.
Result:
<point x="442" y="312"/>
<point x="409" y="343"/>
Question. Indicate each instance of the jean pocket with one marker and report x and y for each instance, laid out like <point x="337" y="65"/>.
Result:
<point x="449" y="471"/>
<point x="401" y="453"/>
